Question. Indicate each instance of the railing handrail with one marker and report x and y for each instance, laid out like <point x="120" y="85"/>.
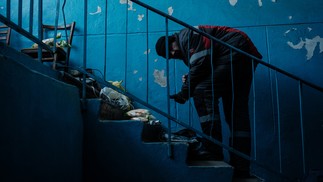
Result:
<point x="228" y="45"/>
<point x="146" y="104"/>
<point x="25" y="33"/>
<point x="153" y="108"/>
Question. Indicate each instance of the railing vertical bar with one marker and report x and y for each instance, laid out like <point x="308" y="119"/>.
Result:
<point x="105" y="40"/>
<point x="8" y="9"/>
<point x="300" y="93"/>
<point x="20" y="13"/>
<point x="278" y="124"/>
<point x="170" y="154"/>
<point x="55" y="30"/>
<point x="126" y="48"/>
<point x="31" y="16"/>
<point x="40" y="30"/>
<point x="232" y="102"/>
<point x="84" y="49"/>
<point x="190" y="118"/>
<point x="213" y="93"/>
<point x="147" y="56"/>
<point x="254" y="110"/>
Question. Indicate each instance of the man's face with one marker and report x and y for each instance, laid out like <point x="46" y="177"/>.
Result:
<point x="175" y="51"/>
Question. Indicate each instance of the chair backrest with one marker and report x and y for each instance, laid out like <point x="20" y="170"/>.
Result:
<point x="70" y="33"/>
<point x="5" y="32"/>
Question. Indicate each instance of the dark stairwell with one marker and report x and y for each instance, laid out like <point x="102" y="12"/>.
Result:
<point x="51" y="133"/>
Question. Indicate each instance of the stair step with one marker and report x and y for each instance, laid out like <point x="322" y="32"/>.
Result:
<point x="121" y="150"/>
<point x="215" y="164"/>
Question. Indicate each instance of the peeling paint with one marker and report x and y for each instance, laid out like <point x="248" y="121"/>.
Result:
<point x="233" y="2"/>
<point x="140" y="17"/>
<point x="292" y="29"/>
<point x="140" y="79"/>
<point x="130" y="3"/>
<point x="170" y="11"/>
<point x="260" y="3"/>
<point x="290" y="17"/>
<point x="309" y="45"/>
<point x="135" y="72"/>
<point x="160" y="78"/>
<point x="297" y="46"/>
<point x="98" y="11"/>
<point x="156" y="60"/>
<point x="309" y="29"/>
<point x="147" y="52"/>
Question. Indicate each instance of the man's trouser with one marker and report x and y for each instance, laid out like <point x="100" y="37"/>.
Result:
<point x="235" y="97"/>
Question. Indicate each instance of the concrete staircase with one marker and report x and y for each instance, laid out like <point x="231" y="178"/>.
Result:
<point x="115" y="151"/>
<point x="85" y="148"/>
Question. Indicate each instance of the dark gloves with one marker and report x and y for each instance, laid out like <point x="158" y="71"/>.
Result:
<point x="178" y="98"/>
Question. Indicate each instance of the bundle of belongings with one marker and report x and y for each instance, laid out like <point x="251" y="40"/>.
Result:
<point x="114" y="105"/>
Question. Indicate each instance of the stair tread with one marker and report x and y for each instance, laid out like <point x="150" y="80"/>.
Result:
<point x="208" y="164"/>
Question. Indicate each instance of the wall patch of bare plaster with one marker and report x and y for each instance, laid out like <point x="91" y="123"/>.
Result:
<point x="140" y="17"/>
<point x="309" y="44"/>
<point x="136" y="72"/>
<point x="98" y="11"/>
<point x="147" y="52"/>
<point x="234" y="2"/>
<point x="260" y="3"/>
<point x="130" y="3"/>
<point x="160" y="78"/>
<point x="170" y="11"/>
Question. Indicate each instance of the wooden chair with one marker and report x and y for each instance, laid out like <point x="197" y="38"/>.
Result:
<point x="5" y="32"/>
<point x="62" y="54"/>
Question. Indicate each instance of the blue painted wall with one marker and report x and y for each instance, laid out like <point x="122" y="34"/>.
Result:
<point x="288" y="34"/>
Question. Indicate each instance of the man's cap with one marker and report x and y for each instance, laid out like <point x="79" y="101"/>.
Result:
<point x="161" y="45"/>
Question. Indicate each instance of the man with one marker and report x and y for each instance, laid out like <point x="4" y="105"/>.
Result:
<point x="216" y="71"/>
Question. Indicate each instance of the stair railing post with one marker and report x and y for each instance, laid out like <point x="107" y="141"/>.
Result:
<point x="170" y="152"/>
<point x="40" y="30"/>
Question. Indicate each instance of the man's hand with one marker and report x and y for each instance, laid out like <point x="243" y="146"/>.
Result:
<point x="184" y="78"/>
<point x="178" y="98"/>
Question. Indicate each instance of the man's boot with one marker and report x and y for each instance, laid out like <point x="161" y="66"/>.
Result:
<point x="241" y="165"/>
<point x="212" y="129"/>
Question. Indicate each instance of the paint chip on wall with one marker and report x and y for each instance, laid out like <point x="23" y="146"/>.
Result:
<point x="160" y="78"/>
<point x="98" y="11"/>
<point x="233" y="2"/>
<point x="309" y="45"/>
<point x="260" y="3"/>
<point x="140" y="17"/>
<point x="130" y="3"/>
<point x="147" y="52"/>
<point x="170" y="11"/>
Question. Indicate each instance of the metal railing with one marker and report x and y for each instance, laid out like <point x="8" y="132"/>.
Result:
<point x="29" y="34"/>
